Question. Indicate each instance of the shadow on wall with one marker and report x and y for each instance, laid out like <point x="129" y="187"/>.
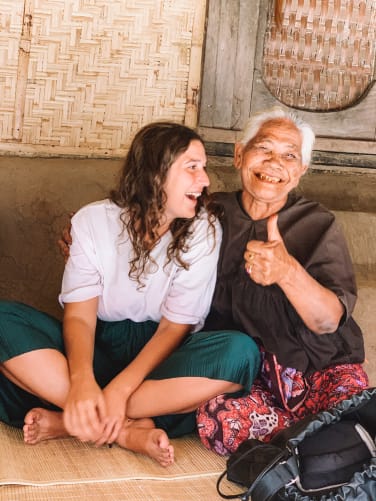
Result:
<point x="37" y="196"/>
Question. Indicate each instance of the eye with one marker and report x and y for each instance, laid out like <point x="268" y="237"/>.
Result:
<point x="262" y="147"/>
<point x="290" y="156"/>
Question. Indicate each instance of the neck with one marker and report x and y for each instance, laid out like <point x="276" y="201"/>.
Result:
<point x="164" y="227"/>
<point x="258" y="209"/>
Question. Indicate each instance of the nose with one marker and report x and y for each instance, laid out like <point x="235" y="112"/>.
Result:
<point x="275" y="159"/>
<point x="203" y="178"/>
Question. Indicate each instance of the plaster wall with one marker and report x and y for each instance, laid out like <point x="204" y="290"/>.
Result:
<point x="39" y="193"/>
<point x="37" y="196"/>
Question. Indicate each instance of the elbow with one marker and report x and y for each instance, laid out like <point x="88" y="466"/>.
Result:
<point x="329" y="323"/>
<point x="326" y="327"/>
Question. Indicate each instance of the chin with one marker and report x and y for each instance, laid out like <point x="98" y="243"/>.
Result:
<point x="189" y="215"/>
<point x="185" y="215"/>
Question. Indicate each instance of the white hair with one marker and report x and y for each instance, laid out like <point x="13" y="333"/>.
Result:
<point x="258" y="119"/>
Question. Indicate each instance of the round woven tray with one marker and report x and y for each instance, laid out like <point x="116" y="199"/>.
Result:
<point x="320" y="54"/>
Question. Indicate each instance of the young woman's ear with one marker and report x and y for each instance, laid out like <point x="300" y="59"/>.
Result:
<point x="238" y="155"/>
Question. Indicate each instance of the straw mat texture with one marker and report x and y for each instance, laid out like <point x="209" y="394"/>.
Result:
<point x="69" y="469"/>
<point x="198" y="489"/>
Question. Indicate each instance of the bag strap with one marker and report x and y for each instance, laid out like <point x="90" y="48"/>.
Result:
<point x="229" y="496"/>
<point x="242" y="456"/>
<point x="276" y="481"/>
<point x="271" y="480"/>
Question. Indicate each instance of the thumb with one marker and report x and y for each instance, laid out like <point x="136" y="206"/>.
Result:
<point x="273" y="231"/>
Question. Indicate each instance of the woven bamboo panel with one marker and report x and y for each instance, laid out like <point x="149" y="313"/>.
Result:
<point x="322" y="55"/>
<point x="10" y="30"/>
<point x="97" y="70"/>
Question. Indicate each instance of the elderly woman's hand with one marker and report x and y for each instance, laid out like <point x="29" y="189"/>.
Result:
<point x="65" y="241"/>
<point x="268" y="262"/>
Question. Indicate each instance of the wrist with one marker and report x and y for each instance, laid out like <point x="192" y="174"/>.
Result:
<point x="81" y="374"/>
<point x="288" y="277"/>
<point x="122" y="388"/>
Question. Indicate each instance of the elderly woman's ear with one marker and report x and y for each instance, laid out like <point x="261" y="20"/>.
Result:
<point x="304" y="169"/>
<point x="238" y="155"/>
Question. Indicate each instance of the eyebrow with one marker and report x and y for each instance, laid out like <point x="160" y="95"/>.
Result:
<point x="193" y="159"/>
<point x="262" y="140"/>
<point x="270" y="141"/>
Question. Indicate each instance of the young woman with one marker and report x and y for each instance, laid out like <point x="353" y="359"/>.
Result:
<point x="136" y="290"/>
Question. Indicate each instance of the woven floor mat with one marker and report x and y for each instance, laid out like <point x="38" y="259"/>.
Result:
<point x="69" y="469"/>
<point x="192" y="489"/>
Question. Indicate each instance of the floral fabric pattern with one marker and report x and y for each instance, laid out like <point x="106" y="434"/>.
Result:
<point x="225" y="422"/>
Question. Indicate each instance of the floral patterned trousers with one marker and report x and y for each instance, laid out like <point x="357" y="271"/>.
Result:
<point x="277" y="399"/>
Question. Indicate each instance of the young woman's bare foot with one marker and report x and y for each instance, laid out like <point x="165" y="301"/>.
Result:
<point x="41" y="424"/>
<point x="146" y="439"/>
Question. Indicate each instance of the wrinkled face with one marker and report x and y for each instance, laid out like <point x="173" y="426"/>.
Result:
<point x="271" y="164"/>
<point x="185" y="181"/>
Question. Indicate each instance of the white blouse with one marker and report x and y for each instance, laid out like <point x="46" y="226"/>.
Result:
<point x="98" y="266"/>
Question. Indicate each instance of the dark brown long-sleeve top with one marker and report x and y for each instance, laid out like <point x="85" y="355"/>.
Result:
<point x="312" y="236"/>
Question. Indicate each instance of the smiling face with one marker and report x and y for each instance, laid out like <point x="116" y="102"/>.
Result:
<point x="270" y="165"/>
<point x="185" y="182"/>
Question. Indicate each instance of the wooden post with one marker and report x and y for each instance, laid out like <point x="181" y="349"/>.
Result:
<point x="22" y="70"/>
<point x="194" y="77"/>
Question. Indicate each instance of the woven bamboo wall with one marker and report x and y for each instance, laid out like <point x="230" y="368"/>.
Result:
<point x="10" y="29"/>
<point x="81" y="76"/>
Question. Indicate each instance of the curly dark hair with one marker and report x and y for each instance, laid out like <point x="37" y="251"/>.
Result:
<point x="141" y="193"/>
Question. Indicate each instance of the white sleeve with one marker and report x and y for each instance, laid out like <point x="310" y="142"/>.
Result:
<point x="82" y="278"/>
<point x="191" y="291"/>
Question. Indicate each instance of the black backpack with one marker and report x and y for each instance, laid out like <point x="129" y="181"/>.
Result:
<point x="330" y="456"/>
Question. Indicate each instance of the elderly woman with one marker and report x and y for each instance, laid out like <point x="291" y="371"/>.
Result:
<point x="285" y="277"/>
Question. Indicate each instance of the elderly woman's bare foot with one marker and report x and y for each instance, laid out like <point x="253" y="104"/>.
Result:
<point x="148" y="440"/>
<point x="41" y="424"/>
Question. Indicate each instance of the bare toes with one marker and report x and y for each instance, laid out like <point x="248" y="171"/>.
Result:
<point x="42" y="424"/>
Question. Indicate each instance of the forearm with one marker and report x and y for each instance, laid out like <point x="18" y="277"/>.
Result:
<point x="319" y="308"/>
<point x="79" y="332"/>
<point x="85" y="409"/>
<point x="165" y="340"/>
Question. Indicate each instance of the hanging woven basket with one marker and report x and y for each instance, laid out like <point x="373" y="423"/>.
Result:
<point x="319" y="55"/>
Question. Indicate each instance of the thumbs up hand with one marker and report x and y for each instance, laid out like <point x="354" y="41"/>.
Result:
<point x="273" y="231"/>
<point x="268" y="262"/>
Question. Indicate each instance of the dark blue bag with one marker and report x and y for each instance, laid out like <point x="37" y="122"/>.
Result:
<point x="330" y="456"/>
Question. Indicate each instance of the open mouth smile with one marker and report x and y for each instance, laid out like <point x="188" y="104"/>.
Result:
<point x="193" y="195"/>
<point x="268" y="179"/>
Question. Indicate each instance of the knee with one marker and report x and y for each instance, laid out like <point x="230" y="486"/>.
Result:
<point x="240" y="346"/>
<point x="6" y="306"/>
<point x="10" y="309"/>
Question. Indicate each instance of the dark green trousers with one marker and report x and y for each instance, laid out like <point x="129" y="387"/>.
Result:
<point x="225" y="355"/>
